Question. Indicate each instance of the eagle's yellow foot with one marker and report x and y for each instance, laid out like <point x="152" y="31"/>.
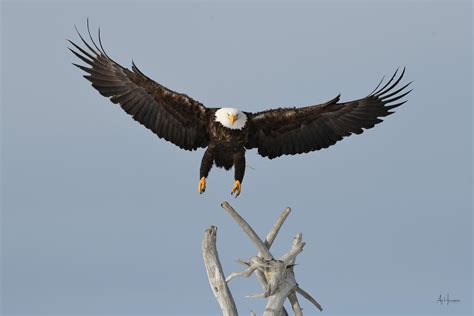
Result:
<point x="236" y="188"/>
<point x="202" y="185"/>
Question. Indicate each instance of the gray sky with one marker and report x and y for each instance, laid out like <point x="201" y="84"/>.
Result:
<point x="100" y="217"/>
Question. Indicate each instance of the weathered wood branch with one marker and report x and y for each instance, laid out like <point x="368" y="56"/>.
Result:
<point x="215" y="275"/>
<point x="265" y="254"/>
<point x="307" y="296"/>
<point x="248" y="230"/>
<point x="276" y="276"/>
<point x="295" y="304"/>
<point x="268" y="243"/>
<point x="276" y="228"/>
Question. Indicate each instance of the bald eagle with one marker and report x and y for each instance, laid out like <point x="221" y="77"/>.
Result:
<point x="226" y="133"/>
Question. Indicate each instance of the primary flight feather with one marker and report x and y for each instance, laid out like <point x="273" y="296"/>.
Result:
<point x="228" y="132"/>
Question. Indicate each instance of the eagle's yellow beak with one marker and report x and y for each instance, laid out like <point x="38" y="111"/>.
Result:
<point x="232" y="119"/>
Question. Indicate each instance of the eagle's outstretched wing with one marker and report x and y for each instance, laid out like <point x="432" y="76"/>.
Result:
<point x="300" y="130"/>
<point x="170" y="115"/>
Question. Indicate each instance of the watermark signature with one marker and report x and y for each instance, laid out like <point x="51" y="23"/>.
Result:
<point x="446" y="300"/>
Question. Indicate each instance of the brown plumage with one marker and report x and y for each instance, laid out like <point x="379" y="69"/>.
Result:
<point x="301" y="130"/>
<point x="190" y="125"/>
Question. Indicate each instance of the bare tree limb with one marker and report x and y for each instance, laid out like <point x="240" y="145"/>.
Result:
<point x="287" y="277"/>
<point x="275" y="302"/>
<point x="266" y="245"/>
<point x="307" y="296"/>
<point x="276" y="227"/>
<point x="269" y="242"/>
<point x="244" y="262"/>
<point x="215" y="275"/>
<point x="277" y="277"/>
<point x="295" y="305"/>
<point x="248" y="230"/>
<point x="296" y="249"/>
<point x="246" y="273"/>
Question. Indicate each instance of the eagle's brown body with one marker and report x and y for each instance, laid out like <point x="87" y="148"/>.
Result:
<point x="226" y="149"/>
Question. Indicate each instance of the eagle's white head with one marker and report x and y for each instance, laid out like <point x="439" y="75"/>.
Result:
<point x="231" y="118"/>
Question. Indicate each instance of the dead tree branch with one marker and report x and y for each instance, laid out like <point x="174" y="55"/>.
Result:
<point x="276" y="276"/>
<point x="266" y="254"/>
<point x="215" y="275"/>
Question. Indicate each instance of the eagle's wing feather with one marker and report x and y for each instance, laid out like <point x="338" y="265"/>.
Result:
<point x="292" y="131"/>
<point x="173" y="116"/>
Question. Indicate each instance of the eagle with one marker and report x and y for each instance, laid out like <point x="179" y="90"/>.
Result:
<point x="226" y="133"/>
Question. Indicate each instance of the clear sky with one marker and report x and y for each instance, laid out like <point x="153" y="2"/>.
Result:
<point x="100" y="217"/>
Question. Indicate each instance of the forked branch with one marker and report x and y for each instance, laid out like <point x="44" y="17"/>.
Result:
<point x="275" y="275"/>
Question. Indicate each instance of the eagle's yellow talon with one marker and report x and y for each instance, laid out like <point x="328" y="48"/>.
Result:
<point x="236" y="188"/>
<point x="202" y="185"/>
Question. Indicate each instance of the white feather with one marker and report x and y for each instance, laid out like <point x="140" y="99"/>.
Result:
<point x="222" y="116"/>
